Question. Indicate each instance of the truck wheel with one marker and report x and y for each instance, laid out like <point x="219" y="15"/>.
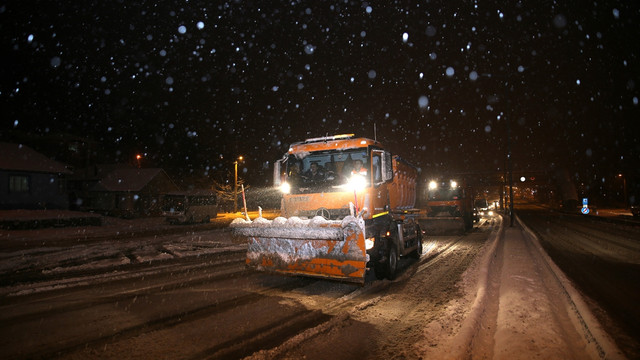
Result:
<point x="389" y="267"/>
<point x="417" y="252"/>
<point x="392" y="263"/>
<point x="379" y="270"/>
<point x="468" y="222"/>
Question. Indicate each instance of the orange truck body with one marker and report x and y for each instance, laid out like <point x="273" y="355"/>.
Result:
<point x="398" y="194"/>
<point x="342" y="219"/>
<point x="450" y="207"/>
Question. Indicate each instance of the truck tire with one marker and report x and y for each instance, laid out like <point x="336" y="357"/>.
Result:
<point x="389" y="267"/>
<point x="392" y="263"/>
<point x="379" y="270"/>
<point x="468" y="221"/>
<point x="418" y="252"/>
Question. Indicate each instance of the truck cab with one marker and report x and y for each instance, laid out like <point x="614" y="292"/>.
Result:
<point x="450" y="203"/>
<point x="334" y="177"/>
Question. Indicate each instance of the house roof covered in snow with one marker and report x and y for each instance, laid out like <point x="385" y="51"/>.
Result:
<point x="18" y="157"/>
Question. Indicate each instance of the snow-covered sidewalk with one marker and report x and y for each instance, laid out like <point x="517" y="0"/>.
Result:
<point x="521" y="306"/>
<point x="533" y="314"/>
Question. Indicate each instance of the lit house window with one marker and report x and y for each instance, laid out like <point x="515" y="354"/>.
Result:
<point x="18" y="184"/>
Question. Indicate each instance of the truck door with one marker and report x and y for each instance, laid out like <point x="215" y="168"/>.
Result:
<point x="380" y="194"/>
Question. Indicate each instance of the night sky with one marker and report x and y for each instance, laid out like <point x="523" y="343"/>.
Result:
<point x="192" y="84"/>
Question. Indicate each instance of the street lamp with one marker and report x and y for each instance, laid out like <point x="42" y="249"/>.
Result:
<point x="624" y="189"/>
<point x="138" y="158"/>
<point x="508" y="171"/>
<point x="235" y="185"/>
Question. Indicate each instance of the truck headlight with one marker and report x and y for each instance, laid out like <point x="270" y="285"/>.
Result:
<point x="285" y="188"/>
<point x="357" y="182"/>
<point x="369" y="242"/>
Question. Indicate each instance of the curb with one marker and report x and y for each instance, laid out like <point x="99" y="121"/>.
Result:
<point x="472" y="321"/>
<point x="583" y="319"/>
<point x="50" y="222"/>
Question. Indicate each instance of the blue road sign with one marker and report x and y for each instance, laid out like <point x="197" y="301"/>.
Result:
<point x="585" y="210"/>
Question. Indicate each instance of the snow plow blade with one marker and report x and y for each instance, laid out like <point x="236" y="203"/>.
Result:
<point x="330" y="249"/>
<point x="443" y="225"/>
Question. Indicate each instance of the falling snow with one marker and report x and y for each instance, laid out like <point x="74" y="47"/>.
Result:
<point x="426" y="76"/>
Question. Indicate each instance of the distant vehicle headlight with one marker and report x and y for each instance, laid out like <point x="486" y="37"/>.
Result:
<point x="433" y="185"/>
<point x="454" y="184"/>
<point x="285" y="188"/>
<point x="490" y="213"/>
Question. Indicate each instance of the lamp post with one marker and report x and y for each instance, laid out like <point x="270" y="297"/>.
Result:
<point x="138" y="158"/>
<point x="509" y="161"/>
<point x="508" y="171"/>
<point x="624" y="188"/>
<point x="235" y="184"/>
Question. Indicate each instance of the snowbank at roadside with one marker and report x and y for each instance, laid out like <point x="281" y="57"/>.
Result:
<point x="517" y="305"/>
<point x="35" y="219"/>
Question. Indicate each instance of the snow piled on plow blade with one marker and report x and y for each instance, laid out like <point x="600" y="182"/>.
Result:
<point x="317" y="247"/>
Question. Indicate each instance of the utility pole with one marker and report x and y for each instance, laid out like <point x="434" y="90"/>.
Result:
<point x="624" y="189"/>
<point x="509" y="162"/>
<point x="235" y="184"/>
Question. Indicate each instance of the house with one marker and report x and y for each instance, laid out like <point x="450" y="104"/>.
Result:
<point x="30" y="180"/>
<point x="131" y="192"/>
<point x="84" y="179"/>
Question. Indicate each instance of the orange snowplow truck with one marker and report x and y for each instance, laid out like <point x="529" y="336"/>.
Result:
<point x="347" y="206"/>
<point x="450" y="207"/>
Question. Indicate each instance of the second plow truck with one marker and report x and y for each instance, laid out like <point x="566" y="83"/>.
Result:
<point x="449" y="207"/>
<point x="347" y="206"/>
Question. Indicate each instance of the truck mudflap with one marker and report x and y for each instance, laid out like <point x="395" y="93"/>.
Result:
<point x="318" y="247"/>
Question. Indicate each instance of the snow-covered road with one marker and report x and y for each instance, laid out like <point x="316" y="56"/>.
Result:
<point x="492" y="293"/>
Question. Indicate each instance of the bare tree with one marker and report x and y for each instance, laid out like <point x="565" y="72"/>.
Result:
<point x="226" y="195"/>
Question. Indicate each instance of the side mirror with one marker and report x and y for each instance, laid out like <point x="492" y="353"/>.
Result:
<point x="387" y="166"/>
<point x="277" y="174"/>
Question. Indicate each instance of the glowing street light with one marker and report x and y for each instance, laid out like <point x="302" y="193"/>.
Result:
<point x="624" y="188"/>
<point x="138" y="158"/>
<point x="235" y="184"/>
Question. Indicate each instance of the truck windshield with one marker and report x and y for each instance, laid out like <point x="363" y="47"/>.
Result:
<point x="442" y="194"/>
<point x="444" y="191"/>
<point x="327" y="171"/>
